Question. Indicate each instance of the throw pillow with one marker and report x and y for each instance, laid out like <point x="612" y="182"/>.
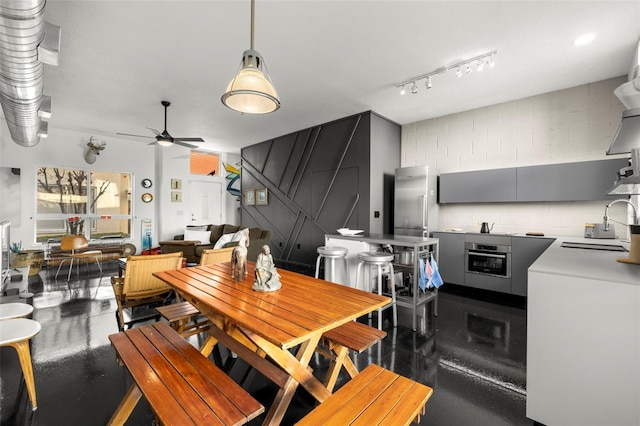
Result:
<point x="202" y="236"/>
<point x="241" y="233"/>
<point x="224" y="239"/>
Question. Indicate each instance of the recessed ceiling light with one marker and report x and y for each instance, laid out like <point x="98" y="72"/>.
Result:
<point x="584" y="39"/>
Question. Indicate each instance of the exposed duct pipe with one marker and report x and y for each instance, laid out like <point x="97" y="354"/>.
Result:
<point x="27" y="42"/>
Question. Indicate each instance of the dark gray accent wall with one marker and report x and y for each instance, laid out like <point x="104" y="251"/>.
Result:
<point x="321" y="179"/>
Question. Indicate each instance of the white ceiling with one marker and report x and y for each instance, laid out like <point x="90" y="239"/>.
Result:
<point x="327" y="59"/>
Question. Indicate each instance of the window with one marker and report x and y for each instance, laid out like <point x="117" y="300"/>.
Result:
<point x="92" y="203"/>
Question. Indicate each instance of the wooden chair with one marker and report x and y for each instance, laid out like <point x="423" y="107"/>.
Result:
<point x="211" y="256"/>
<point x="182" y="316"/>
<point x="139" y="287"/>
<point x="73" y="243"/>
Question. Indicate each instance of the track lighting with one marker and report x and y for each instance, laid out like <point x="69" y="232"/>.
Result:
<point x="480" y="61"/>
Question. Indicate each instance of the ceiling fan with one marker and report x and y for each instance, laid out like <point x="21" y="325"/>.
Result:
<point x="164" y="138"/>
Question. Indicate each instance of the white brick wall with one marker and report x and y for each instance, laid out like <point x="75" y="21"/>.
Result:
<point x="575" y="124"/>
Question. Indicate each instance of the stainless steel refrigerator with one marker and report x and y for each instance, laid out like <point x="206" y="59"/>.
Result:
<point x="415" y="201"/>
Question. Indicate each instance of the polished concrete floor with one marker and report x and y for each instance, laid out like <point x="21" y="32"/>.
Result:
<point x="473" y="354"/>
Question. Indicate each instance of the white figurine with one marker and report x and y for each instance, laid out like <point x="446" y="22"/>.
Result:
<point x="267" y="278"/>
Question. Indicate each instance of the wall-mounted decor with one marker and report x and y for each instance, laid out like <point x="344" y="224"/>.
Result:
<point x="204" y="163"/>
<point x="146" y="197"/>
<point x="233" y="175"/>
<point x="262" y="197"/>
<point x="146" y="183"/>
<point x="176" y="196"/>
<point x="249" y="197"/>
<point x="176" y="183"/>
<point x="94" y="150"/>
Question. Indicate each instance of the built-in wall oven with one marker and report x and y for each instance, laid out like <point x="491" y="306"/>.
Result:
<point x="488" y="258"/>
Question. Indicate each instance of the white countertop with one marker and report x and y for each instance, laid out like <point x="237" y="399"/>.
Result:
<point x="584" y="263"/>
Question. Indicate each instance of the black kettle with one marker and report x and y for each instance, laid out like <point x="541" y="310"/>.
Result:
<point x="485" y="229"/>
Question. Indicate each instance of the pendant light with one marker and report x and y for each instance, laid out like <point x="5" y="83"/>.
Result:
<point x="251" y="90"/>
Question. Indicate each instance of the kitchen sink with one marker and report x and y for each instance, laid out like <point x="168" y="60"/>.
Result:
<point x="593" y="246"/>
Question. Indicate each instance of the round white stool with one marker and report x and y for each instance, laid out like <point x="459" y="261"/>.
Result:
<point x="15" y="310"/>
<point x="380" y="260"/>
<point x="16" y="333"/>
<point x="332" y="253"/>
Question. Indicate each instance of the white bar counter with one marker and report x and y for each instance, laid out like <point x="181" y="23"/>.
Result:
<point x="583" y="336"/>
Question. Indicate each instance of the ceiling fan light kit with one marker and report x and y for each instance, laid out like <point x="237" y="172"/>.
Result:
<point x="251" y="90"/>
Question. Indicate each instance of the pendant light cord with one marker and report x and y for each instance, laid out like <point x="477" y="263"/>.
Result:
<point x="253" y="11"/>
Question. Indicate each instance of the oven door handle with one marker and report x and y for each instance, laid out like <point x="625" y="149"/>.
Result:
<point x="498" y="256"/>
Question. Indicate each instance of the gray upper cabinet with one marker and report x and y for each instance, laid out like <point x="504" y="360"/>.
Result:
<point x="482" y="186"/>
<point x="584" y="181"/>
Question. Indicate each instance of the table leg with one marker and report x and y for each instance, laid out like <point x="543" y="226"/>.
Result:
<point x="298" y="369"/>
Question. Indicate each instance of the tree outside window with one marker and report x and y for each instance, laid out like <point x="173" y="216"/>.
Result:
<point x="95" y="204"/>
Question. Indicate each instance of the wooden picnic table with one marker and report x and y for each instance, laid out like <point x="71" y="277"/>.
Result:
<point x="262" y="327"/>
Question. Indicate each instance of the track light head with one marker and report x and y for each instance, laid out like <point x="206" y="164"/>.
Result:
<point x="458" y="73"/>
<point x="427" y="83"/>
<point x="402" y="91"/>
<point x="414" y="88"/>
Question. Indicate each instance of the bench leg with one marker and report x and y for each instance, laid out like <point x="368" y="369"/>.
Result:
<point x="126" y="406"/>
<point x="340" y="353"/>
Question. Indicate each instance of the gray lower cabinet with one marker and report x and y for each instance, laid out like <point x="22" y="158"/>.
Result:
<point x="488" y="282"/>
<point x="525" y="251"/>
<point x="451" y="261"/>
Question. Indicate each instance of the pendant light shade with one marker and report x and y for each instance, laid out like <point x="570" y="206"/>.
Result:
<point x="251" y="90"/>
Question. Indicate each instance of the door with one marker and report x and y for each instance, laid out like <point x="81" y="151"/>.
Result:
<point x="205" y="202"/>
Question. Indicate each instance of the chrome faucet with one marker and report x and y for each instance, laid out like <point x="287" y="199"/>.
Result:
<point x="606" y="219"/>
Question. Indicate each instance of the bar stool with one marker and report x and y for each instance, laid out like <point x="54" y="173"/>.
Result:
<point x="16" y="333"/>
<point x="332" y="253"/>
<point x="15" y="310"/>
<point x="378" y="259"/>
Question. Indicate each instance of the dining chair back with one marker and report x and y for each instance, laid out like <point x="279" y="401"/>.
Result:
<point x="139" y="286"/>
<point x="71" y="244"/>
<point x="211" y="256"/>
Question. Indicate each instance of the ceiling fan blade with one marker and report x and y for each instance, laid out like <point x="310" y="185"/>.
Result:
<point x="189" y="139"/>
<point x="137" y="136"/>
<point x="155" y="132"/>
<point x="153" y="143"/>
<point x="188" y="145"/>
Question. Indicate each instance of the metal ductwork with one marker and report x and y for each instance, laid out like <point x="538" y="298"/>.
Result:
<point x="27" y="42"/>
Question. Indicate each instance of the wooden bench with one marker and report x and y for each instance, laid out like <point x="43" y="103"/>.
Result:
<point x="376" y="396"/>
<point x="180" y="384"/>
<point x="353" y="336"/>
<point x="180" y="316"/>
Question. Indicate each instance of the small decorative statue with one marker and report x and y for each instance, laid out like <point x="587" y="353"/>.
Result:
<point x="267" y="278"/>
<point x="239" y="259"/>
